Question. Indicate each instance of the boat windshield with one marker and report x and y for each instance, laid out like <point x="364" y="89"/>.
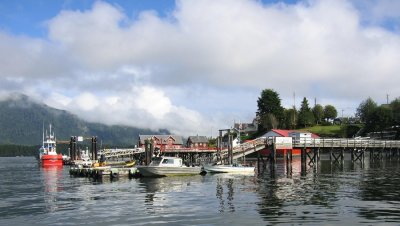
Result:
<point x="155" y="161"/>
<point x="168" y="161"/>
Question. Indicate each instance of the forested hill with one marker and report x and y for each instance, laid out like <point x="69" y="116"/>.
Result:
<point x="22" y="120"/>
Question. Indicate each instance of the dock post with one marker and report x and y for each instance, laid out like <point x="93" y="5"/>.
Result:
<point x="303" y="156"/>
<point x="371" y="155"/>
<point x="219" y="146"/>
<point x="303" y="161"/>
<point x="95" y="148"/>
<point x="74" y="148"/>
<point x="148" y="150"/>
<point x="352" y="155"/>
<point x="260" y="161"/>
<point x="71" y="151"/>
<point x="274" y="155"/>
<point x="342" y="156"/>
<point x="289" y="159"/>
<point x="363" y="156"/>
<point x="230" y="147"/>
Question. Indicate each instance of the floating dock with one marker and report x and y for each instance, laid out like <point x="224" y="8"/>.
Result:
<point x="104" y="171"/>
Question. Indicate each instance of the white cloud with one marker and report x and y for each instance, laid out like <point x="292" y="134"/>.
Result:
<point x="153" y="101"/>
<point x="205" y="64"/>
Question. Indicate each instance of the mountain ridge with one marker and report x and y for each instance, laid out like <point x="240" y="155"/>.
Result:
<point x="22" y="120"/>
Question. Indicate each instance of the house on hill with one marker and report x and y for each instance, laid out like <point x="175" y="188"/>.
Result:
<point x="246" y="128"/>
<point x="197" y="142"/>
<point x="289" y="133"/>
<point x="162" y="142"/>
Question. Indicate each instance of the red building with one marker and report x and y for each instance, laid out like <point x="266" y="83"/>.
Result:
<point x="297" y="136"/>
<point x="162" y="142"/>
<point x="197" y="142"/>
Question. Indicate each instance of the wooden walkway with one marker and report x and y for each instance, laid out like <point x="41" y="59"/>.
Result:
<point x="322" y="144"/>
<point x="256" y="145"/>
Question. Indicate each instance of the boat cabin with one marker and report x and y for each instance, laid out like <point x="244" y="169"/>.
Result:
<point x="166" y="161"/>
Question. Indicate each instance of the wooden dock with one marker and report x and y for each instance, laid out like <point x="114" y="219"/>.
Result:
<point x="103" y="171"/>
<point x="312" y="147"/>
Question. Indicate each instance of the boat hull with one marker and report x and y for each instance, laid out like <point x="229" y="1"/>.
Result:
<point x="157" y="171"/>
<point x="228" y="169"/>
<point x="51" y="160"/>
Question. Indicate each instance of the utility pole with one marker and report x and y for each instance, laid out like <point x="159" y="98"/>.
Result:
<point x="294" y="110"/>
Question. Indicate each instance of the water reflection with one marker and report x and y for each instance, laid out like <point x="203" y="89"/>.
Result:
<point x="166" y="191"/>
<point x="326" y="192"/>
<point x="380" y="192"/>
<point x="230" y="194"/>
<point x="52" y="179"/>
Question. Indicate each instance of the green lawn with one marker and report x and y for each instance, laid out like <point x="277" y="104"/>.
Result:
<point x="325" y="131"/>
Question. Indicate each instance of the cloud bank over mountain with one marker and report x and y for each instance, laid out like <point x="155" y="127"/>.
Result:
<point x="204" y="64"/>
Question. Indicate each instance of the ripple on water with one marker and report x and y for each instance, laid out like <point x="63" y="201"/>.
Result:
<point x="327" y="196"/>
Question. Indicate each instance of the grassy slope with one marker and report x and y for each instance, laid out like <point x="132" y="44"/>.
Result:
<point x="334" y="130"/>
<point x="325" y="131"/>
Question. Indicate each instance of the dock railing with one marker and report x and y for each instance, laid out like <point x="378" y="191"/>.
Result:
<point x="344" y="143"/>
<point x="353" y="143"/>
<point x="118" y="152"/>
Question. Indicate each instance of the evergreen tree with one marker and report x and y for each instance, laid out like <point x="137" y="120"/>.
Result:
<point x="380" y="119"/>
<point x="306" y="117"/>
<point x="270" y="111"/>
<point x="290" y="121"/>
<point x="318" y="112"/>
<point x="365" y="109"/>
<point x="330" y="112"/>
<point x="395" y="107"/>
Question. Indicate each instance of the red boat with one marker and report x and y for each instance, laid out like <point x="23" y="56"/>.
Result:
<point x="47" y="153"/>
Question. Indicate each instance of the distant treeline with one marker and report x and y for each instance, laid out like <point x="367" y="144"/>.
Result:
<point x="10" y="150"/>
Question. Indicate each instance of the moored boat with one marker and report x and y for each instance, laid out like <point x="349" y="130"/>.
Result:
<point x="48" y="153"/>
<point x="167" y="166"/>
<point x="235" y="168"/>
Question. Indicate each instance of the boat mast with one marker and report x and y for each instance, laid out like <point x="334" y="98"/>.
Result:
<point x="43" y="134"/>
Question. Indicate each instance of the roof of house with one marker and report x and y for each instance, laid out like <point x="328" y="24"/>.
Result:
<point x="198" y="139"/>
<point x="163" y="138"/>
<point x="285" y="133"/>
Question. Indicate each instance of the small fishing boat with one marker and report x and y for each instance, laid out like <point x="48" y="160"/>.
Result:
<point x="167" y="166"/>
<point x="47" y="153"/>
<point x="234" y="168"/>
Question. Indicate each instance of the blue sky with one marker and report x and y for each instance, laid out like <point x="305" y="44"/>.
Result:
<point x="195" y="66"/>
<point x="26" y="17"/>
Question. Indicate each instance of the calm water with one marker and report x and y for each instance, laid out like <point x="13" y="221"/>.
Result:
<point x="349" y="195"/>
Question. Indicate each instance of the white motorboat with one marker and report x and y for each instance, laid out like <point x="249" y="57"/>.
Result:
<point x="235" y="168"/>
<point x="167" y="166"/>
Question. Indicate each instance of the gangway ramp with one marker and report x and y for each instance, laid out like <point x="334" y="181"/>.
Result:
<point x="245" y="148"/>
<point x="120" y="153"/>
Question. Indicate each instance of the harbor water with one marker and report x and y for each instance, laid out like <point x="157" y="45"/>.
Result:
<point x="349" y="194"/>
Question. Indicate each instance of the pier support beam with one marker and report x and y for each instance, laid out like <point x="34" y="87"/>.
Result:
<point x="72" y="147"/>
<point x="288" y="160"/>
<point x="313" y="156"/>
<point x="337" y="157"/>
<point x="376" y="155"/>
<point x="93" y="148"/>
<point x="358" y="155"/>
<point x="148" y="151"/>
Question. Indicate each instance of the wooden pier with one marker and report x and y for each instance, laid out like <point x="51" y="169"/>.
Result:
<point x="104" y="171"/>
<point x="311" y="148"/>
